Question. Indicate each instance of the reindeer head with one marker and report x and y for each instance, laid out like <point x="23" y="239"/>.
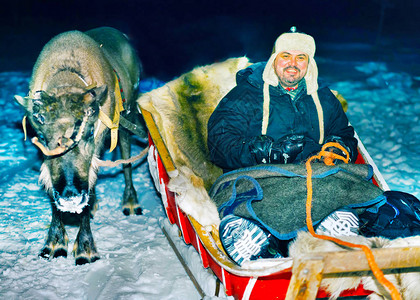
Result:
<point x="64" y="122"/>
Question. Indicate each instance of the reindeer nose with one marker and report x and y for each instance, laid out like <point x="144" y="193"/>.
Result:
<point x="63" y="141"/>
<point x="70" y="191"/>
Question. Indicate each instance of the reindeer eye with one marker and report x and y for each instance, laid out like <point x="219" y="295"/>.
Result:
<point x="90" y="111"/>
<point x="38" y="102"/>
<point x="41" y="137"/>
<point x="40" y="118"/>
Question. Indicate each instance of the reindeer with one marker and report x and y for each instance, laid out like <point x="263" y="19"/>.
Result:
<point x="81" y="86"/>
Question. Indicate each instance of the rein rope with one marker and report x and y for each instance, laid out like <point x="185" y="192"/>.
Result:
<point x="328" y="158"/>
<point x="110" y="163"/>
<point x="62" y="148"/>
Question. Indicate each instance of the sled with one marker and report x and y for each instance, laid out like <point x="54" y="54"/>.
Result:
<point x="282" y="278"/>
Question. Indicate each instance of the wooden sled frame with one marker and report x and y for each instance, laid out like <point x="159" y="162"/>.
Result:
<point x="292" y="279"/>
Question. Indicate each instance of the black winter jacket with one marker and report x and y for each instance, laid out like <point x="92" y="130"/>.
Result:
<point x="238" y="118"/>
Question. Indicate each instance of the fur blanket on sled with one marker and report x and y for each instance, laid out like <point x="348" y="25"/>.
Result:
<point x="407" y="282"/>
<point x="181" y="109"/>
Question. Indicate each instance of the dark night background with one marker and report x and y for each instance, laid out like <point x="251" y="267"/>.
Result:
<point x="172" y="37"/>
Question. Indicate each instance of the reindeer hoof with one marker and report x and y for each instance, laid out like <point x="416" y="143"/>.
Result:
<point x="48" y="253"/>
<point x="85" y="252"/>
<point x="138" y="211"/>
<point x="130" y="210"/>
<point x="45" y="253"/>
<point x="86" y="260"/>
<point x="60" y="252"/>
<point x="130" y="204"/>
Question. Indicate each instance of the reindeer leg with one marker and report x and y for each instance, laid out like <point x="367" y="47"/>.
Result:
<point x="84" y="249"/>
<point x="130" y="203"/>
<point x="93" y="203"/>
<point x="57" y="239"/>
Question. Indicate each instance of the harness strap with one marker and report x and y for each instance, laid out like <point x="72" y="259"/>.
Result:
<point x="24" y="126"/>
<point x="114" y="124"/>
<point x="133" y="128"/>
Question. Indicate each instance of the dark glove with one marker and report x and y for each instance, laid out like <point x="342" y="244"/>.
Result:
<point x="286" y="149"/>
<point x="260" y="147"/>
<point x="266" y="150"/>
<point x="339" y="140"/>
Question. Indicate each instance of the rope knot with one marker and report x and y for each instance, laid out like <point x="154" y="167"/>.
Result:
<point x="328" y="155"/>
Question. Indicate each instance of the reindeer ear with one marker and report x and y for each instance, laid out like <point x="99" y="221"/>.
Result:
<point x="97" y="94"/>
<point x="24" y="102"/>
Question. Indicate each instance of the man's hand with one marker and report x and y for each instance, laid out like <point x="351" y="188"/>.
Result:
<point x="260" y="147"/>
<point x="286" y="149"/>
<point x="337" y="139"/>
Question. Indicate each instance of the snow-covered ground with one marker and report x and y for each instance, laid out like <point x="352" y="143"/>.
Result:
<point x="136" y="259"/>
<point x="384" y="108"/>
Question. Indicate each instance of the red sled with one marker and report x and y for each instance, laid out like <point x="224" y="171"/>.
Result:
<point x="176" y="116"/>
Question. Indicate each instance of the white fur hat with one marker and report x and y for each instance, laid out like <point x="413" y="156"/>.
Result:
<point x="294" y="41"/>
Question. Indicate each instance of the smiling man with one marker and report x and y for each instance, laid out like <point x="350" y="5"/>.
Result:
<point x="291" y="67"/>
<point x="277" y="113"/>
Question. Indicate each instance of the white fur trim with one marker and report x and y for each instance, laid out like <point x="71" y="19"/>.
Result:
<point x="266" y="108"/>
<point x="45" y="177"/>
<point x="153" y="166"/>
<point x="320" y="112"/>
<point x="311" y="77"/>
<point x="295" y="41"/>
<point x="194" y="200"/>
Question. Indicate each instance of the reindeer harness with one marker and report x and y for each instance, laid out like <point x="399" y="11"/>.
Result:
<point x="113" y="124"/>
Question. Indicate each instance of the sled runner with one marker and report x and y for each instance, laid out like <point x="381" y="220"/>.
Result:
<point x="176" y="116"/>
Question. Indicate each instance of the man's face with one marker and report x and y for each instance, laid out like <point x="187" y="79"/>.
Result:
<point x="290" y="67"/>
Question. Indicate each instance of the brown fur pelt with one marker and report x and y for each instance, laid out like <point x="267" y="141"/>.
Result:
<point x="181" y="109"/>
<point x="407" y="281"/>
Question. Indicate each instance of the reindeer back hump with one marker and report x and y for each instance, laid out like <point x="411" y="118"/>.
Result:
<point x="121" y="55"/>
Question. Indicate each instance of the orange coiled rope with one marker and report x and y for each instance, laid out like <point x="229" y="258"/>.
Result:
<point x="328" y="158"/>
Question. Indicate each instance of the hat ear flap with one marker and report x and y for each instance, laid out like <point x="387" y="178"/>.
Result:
<point x="269" y="75"/>
<point x="311" y="77"/>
